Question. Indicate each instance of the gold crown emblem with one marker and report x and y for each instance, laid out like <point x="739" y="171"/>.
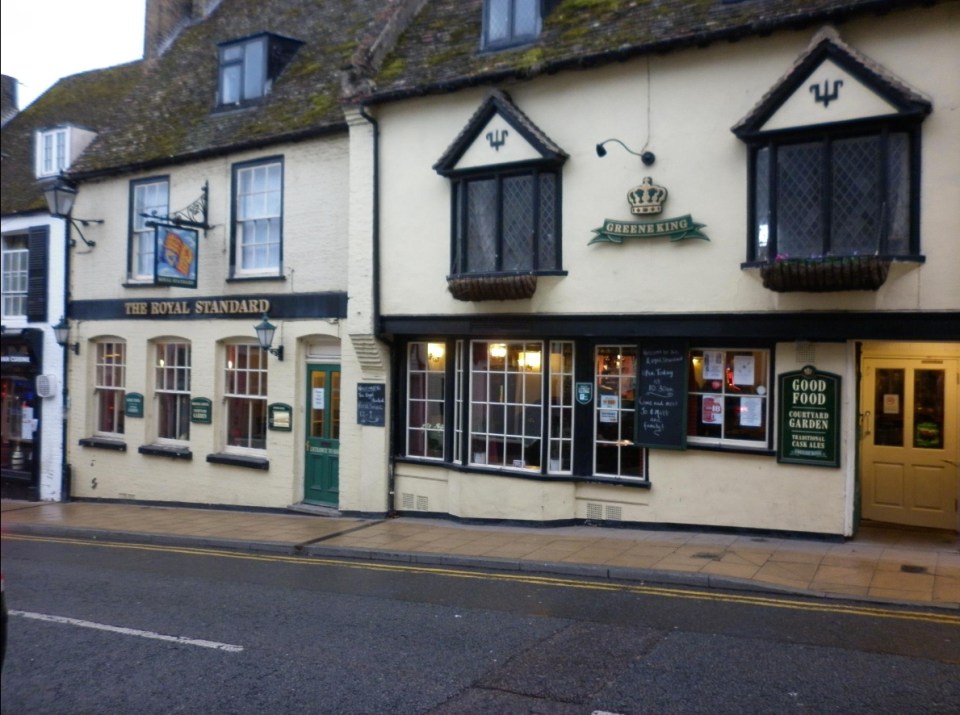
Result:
<point x="646" y="198"/>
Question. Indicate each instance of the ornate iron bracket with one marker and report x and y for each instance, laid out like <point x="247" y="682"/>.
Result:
<point x="193" y="216"/>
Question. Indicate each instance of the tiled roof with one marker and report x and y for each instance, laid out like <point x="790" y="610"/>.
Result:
<point x="440" y="50"/>
<point x="174" y="117"/>
<point x="171" y="115"/>
<point x="87" y="100"/>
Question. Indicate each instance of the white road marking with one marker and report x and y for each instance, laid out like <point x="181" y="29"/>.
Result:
<point x="128" y="631"/>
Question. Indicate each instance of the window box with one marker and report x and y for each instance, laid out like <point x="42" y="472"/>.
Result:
<point x="825" y="274"/>
<point x="492" y="287"/>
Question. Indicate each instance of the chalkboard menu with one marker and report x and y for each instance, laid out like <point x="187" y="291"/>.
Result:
<point x="662" y="397"/>
<point x="371" y="400"/>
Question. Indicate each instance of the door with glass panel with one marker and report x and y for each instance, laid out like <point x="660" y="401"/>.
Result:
<point x="322" y="461"/>
<point x="909" y="441"/>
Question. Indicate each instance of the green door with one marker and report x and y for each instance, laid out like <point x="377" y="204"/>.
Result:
<point x="321" y="484"/>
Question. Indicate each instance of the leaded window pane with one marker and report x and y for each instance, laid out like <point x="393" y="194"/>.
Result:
<point x="762" y="205"/>
<point x="481" y="226"/>
<point x="498" y="20"/>
<point x="548" y="222"/>
<point x="898" y="195"/>
<point x="857" y="197"/>
<point x="518" y="223"/>
<point x="799" y="208"/>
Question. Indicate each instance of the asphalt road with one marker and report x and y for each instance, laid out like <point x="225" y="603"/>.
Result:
<point x="121" y="628"/>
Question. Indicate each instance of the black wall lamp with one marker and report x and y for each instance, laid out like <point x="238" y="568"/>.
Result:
<point x="61" y="333"/>
<point x="265" y="332"/>
<point x="61" y="194"/>
<point x="647" y="157"/>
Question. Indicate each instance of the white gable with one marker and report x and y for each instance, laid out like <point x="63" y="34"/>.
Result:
<point x="830" y="94"/>
<point x="497" y="143"/>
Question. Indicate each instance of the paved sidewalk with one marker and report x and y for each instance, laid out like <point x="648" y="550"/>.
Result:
<point x="882" y="564"/>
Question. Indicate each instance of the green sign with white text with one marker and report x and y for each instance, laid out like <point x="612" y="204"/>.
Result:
<point x="809" y="424"/>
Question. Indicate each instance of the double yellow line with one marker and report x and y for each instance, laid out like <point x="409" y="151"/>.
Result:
<point x="941" y="618"/>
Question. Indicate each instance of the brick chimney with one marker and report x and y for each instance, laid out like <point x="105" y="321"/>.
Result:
<point x="164" y="19"/>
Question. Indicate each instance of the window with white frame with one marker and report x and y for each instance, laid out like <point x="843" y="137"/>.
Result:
<point x="729" y="397"/>
<point x="52" y="148"/>
<point x="172" y="371"/>
<point x="149" y="200"/>
<point x="258" y="218"/>
<point x="426" y="383"/>
<point x="615" y="453"/>
<point x="506" y="404"/>
<point x="245" y="390"/>
<point x="15" y="264"/>
<point x="561" y="363"/>
<point x="510" y="22"/>
<point x="110" y="387"/>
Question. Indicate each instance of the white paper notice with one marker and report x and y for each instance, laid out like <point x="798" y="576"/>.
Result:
<point x="743" y="370"/>
<point x="318" y="400"/>
<point x="751" y="411"/>
<point x="712" y="364"/>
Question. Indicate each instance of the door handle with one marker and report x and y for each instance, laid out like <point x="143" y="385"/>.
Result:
<point x="864" y="431"/>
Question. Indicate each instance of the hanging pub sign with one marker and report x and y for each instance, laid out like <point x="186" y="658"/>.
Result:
<point x="647" y="200"/>
<point x="177" y="253"/>
<point x="809" y="424"/>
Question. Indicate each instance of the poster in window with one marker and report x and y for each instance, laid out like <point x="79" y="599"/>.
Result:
<point x="609" y="404"/>
<point x="743" y="373"/>
<point x="751" y="411"/>
<point x="712" y="412"/>
<point x="176" y="257"/>
<point x="891" y="404"/>
<point x="318" y="398"/>
<point x="712" y="364"/>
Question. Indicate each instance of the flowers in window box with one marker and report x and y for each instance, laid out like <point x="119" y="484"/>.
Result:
<point x="822" y="274"/>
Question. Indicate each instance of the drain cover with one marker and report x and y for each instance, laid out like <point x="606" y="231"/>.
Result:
<point x="707" y="555"/>
<point x="910" y="568"/>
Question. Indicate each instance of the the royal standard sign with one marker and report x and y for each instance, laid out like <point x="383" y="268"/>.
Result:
<point x="646" y="200"/>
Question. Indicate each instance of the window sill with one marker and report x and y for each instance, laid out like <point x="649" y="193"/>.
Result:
<point x="104" y="443"/>
<point x="536" y="476"/>
<point x="248" y="279"/>
<point x="159" y="450"/>
<point x="764" y="452"/>
<point x="129" y="283"/>
<point x="239" y="460"/>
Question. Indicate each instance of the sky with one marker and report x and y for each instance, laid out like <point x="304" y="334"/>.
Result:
<point x="44" y="40"/>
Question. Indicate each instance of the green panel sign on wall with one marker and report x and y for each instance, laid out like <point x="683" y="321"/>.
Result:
<point x="809" y="418"/>
<point x="201" y="410"/>
<point x="133" y="404"/>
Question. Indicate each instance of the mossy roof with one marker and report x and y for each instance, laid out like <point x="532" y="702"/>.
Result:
<point x="170" y="115"/>
<point x="440" y="50"/>
<point x="85" y="100"/>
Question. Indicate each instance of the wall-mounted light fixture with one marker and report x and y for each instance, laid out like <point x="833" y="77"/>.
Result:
<point x="647" y="157"/>
<point x="61" y="333"/>
<point x="265" y="332"/>
<point x="61" y="194"/>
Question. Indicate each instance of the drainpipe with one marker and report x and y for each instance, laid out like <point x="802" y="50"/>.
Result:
<point x="377" y="327"/>
<point x="65" y="480"/>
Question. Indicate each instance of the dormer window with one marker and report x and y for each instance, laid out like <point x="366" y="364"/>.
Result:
<point x="56" y="148"/>
<point x="248" y="67"/>
<point x="510" y="22"/>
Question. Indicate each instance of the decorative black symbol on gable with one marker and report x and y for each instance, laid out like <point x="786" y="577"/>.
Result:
<point x="497" y="138"/>
<point x="826" y="96"/>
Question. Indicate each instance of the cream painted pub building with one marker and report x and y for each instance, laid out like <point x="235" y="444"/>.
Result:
<point x="224" y="189"/>
<point x="701" y="275"/>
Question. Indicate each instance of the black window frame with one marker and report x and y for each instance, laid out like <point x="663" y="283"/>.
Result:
<point x="826" y="136"/>
<point x="459" y="239"/>
<point x="276" y="55"/>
